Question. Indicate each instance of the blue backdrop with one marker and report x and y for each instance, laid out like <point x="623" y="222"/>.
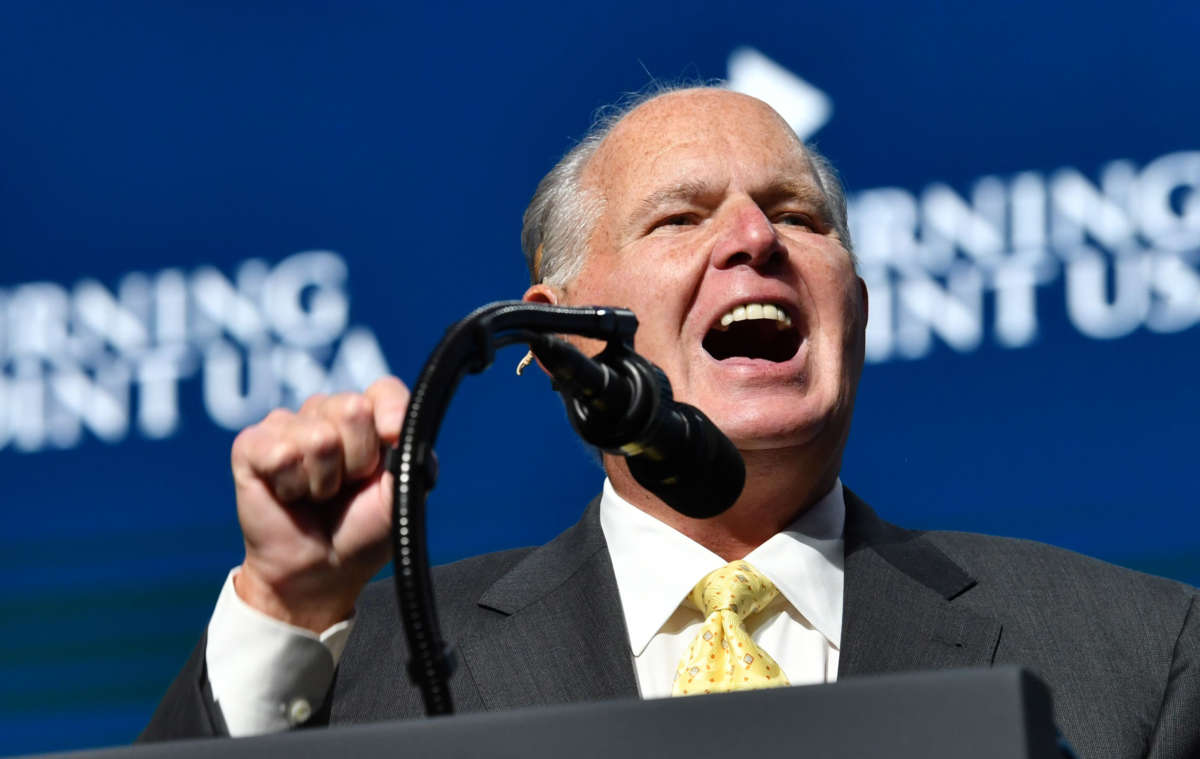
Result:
<point x="209" y="209"/>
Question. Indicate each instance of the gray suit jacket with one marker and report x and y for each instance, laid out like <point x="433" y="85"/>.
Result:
<point x="1119" y="650"/>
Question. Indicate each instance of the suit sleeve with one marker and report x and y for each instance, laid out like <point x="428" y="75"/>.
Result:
<point x="187" y="710"/>
<point x="1177" y="733"/>
<point x="252" y="675"/>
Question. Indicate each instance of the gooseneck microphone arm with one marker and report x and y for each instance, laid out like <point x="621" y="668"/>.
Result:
<point x="468" y="346"/>
<point x="617" y="401"/>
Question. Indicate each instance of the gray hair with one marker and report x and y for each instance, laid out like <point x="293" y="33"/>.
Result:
<point x="562" y="213"/>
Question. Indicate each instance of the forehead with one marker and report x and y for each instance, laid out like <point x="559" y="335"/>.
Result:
<point x="700" y="138"/>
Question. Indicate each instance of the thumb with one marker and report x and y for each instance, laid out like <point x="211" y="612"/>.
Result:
<point x="389" y="399"/>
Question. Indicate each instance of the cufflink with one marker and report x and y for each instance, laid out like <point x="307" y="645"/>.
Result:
<point x="298" y="711"/>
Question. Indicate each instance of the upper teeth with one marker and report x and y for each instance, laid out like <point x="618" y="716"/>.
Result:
<point x="757" y="311"/>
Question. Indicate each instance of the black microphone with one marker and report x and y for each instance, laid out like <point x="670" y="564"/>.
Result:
<point x="622" y="403"/>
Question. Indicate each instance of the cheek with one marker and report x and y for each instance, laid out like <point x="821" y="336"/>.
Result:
<point x="842" y="314"/>
<point x="835" y="284"/>
<point x="603" y="283"/>
<point x="587" y="289"/>
<point x="651" y="280"/>
<point x="596" y="285"/>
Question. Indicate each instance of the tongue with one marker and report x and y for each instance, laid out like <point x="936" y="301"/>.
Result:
<point x="753" y="338"/>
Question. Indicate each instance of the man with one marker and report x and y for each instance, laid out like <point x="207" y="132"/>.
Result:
<point x="702" y="212"/>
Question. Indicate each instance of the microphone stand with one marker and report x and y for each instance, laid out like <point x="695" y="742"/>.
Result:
<point x="468" y="346"/>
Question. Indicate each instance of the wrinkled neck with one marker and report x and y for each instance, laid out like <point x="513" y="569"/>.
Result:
<point x="781" y="484"/>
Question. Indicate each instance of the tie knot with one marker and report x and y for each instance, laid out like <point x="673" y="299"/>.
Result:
<point x="737" y="587"/>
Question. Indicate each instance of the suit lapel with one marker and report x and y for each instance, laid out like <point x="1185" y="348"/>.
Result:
<point x="564" y="636"/>
<point x="899" y="611"/>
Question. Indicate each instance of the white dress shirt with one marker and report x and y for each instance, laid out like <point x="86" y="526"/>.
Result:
<point x="801" y="629"/>
<point x="267" y="676"/>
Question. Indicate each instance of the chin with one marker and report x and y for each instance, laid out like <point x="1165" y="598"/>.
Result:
<point x="771" y="428"/>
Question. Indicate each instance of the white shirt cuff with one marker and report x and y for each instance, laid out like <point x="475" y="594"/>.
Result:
<point x="266" y="675"/>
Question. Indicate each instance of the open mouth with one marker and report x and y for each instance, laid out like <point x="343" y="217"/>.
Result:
<point x="753" y="330"/>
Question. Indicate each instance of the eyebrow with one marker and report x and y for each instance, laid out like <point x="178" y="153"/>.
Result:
<point x="691" y="190"/>
<point x="804" y="191"/>
<point x="686" y="190"/>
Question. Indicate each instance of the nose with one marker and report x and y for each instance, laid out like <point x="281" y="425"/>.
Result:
<point x="747" y="238"/>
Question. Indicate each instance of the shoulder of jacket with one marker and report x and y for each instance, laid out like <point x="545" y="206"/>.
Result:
<point x="1030" y="563"/>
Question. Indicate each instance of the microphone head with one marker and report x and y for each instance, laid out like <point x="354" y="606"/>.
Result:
<point x="700" y="478"/>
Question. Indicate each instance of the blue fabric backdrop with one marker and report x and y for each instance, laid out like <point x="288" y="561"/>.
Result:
<point x="211" y="208"/>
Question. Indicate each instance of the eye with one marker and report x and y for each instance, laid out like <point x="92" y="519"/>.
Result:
<point x="676" y="220"/>
<point x="796" y="219"/>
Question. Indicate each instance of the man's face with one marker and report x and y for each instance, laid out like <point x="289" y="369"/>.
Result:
<point x="712" y="209"/>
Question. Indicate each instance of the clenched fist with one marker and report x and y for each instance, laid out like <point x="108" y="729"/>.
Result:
<point x="315" y="503"/>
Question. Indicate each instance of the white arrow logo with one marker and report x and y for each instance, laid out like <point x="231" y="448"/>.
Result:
<point x="800" y="104"/>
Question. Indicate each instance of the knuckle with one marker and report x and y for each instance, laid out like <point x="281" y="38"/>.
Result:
<point x="242" y="444"/>
<point x="263" y="451"/>
<point x="321" y="440"/>
<point x="313" y="402"/>
<point x="280" y="455"/>
<point x="353" y="408"/>
<point x="277" y="417"/>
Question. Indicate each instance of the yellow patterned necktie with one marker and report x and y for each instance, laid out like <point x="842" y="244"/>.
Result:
<point x="723" y="657"/>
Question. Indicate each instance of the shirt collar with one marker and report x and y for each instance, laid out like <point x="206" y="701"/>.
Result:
<point x="805" y="561"/>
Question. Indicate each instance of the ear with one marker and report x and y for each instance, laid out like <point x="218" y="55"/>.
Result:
<point x="539" y="293"/>
<point x="542" y="293"/>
